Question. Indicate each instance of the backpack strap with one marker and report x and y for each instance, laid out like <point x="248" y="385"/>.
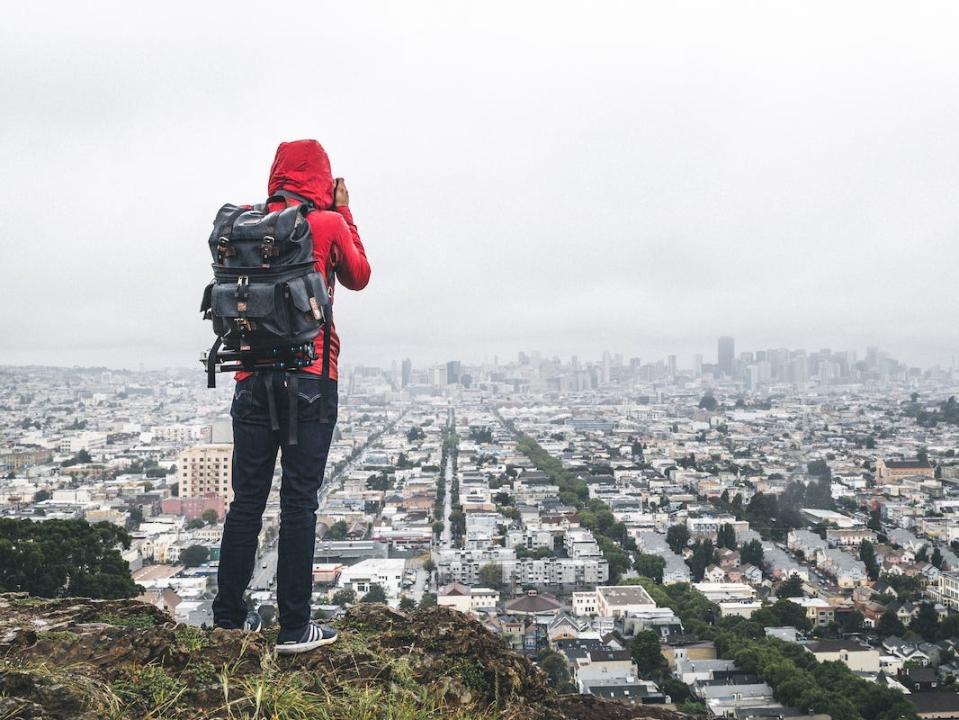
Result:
<point x="283" y="194"/>
<point x="211" y="363"/>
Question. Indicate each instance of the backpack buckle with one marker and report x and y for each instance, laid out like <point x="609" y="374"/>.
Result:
<point x="223" y="248"/>
<point x="242" y="287"/>
<point x="268" y="249"/>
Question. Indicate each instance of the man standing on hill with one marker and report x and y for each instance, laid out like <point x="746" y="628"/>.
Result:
<point x="301" y="174"/>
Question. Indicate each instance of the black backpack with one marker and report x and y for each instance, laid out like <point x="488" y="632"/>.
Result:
<point x="266" y="301"/>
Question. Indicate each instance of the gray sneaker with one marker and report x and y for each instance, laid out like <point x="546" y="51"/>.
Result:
<point x="312" y="637"/>
<point x="253" y="622"/>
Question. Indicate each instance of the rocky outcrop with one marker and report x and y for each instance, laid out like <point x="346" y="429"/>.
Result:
<point x="79" y="658"/>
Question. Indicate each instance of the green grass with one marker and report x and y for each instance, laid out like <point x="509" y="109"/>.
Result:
<point x="28" y="601"/>
<point x="58" y="636"/>
<point x="191" y="638"/>
<point x="149" y="688"/>
<point x="137" y="621"/>
<point x="75" y="678"/>
<point x="200" y="674"/>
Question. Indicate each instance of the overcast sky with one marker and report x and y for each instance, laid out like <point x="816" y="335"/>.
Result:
<point x="563" y="177"/>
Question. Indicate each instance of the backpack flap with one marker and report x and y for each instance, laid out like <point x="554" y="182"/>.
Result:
<point x="246" y="308"/>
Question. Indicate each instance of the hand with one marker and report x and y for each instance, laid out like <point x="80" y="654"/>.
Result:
<point x="341" y="196"/>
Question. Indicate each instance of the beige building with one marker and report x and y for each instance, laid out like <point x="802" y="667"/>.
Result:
<point x="466" y="599"/>
<point x="892" y="472"/>
<point x="617" y="600"/>
<point x="856" y="657"/>
<point x="204" y="469"/>
<point x="948" y="590"/>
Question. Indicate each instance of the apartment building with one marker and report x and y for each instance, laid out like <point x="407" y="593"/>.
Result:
<point x="206" y="469"/>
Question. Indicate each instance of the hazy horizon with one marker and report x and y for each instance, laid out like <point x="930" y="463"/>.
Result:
<point x="641" y="178"/>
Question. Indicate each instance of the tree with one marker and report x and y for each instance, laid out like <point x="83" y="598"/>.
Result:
<point x="195" y="555"/>
<point x="937" y="558"/>
<point x="555" y="667"/>
<point x="923" y="454"/>
<point x="703" y="556"/>
<point x="134" y="518"/>
<point x="39" y="495"/>
<point x="346" y="596"/>
<point x="677" y="537"/>
<point x="867" y="553"/>
<point x="376" y="594"/>
<point x="427" y="601"/>
<point x="851" y="622"/>
<point x="57" y="558"/>
<point x="926" y="622"/>
<point x="875" y="520"/>
<point x="337" y="530"/>
<point x="195" y="524"/>
<point x="650" y="566"/>
<point x="889" y="624"/>
<point x="791" y="587"/>
<point x="438" y="527"/>
<point x="949" y="628"/>
<point x="752" y="553"/>
<point x="407" y="604"/>
<point x="210" y="516"/>
<point x="491" y="576"/>
<point x="415" y="433"/>
<point x="708" y="402"/>
<point x="646" y="653"/>
<point x="726" y="536"/>
<point x="782" y="613"/>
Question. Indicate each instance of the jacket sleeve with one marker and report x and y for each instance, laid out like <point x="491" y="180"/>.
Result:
<point x="352" y="267"/>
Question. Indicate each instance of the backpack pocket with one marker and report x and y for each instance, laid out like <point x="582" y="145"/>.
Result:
<point x="249" y="312"/>
<point x="308" y="307"/>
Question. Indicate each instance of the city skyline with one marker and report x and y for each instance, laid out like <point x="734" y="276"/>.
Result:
<point x="640" y="178"/>
<point x="680" y="363"/>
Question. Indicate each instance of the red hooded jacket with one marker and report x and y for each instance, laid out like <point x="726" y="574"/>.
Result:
<point x="303" y="167"/>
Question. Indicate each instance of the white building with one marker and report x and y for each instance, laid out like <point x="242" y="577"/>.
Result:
<point x="387" y="573"/>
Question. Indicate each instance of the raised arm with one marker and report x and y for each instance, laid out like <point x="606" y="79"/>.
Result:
<point x="352" y="267"/>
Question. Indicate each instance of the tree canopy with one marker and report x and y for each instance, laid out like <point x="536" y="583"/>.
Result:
<point x="58" y="558"/>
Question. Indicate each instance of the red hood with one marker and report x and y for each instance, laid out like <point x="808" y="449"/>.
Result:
<point x="303" y="167"/>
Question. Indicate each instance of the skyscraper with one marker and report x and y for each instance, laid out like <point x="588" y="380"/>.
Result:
<point x="727" y="355"/>
<point x="407" y="371"/>
<point x="454" y="368"/>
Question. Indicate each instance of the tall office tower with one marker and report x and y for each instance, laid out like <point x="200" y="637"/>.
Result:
<point x="698" y="365"/>
<point x="438" y="375"/>
<point x="726" y="355"/>
<point x="407" y="371"/>
<point x="204" y="469"/>
<point x="672" y="365"/>
<point x="454" y="369"/>
<point x="606" y="368"/>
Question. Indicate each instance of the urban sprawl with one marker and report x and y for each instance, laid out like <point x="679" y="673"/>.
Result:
<point x="771" y="535"/>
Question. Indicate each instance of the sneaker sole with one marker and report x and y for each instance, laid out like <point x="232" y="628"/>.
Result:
<point x="294" y="648"/>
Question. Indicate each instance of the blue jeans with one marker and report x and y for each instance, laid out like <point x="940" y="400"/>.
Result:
<point x="255" y="446"/>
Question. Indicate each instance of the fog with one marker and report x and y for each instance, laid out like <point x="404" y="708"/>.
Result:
<point x="562" y="177"/>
